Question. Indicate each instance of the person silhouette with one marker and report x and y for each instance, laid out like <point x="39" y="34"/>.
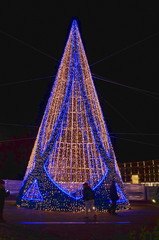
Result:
<point x="3" y="195"/>
<point x="113" y="195"/>
<point x="88" y="197"/>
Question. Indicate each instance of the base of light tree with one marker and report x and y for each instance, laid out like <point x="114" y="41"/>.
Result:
<point x="58" y="200"/>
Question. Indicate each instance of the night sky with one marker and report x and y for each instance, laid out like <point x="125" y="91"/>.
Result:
<point x="122" y="46"/>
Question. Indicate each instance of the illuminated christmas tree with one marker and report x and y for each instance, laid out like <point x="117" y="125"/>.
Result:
<point x="73" y="145"/>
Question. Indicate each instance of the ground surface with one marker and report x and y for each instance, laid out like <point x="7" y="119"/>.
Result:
<point x="140" y="222"/>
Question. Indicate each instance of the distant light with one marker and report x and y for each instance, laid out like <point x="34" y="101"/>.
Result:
<point x="153" y="200"/>
<point x="135" y="179"/>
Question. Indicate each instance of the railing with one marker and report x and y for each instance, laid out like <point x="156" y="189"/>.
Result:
<point x="134" y="191"/>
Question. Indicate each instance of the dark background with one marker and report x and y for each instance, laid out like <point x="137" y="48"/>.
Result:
<point x="124" y="35"/>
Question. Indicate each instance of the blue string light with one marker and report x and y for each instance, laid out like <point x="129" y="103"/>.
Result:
<point x="33" y="193"/>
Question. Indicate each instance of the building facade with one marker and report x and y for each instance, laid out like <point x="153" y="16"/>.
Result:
<point x="145" y="172"/>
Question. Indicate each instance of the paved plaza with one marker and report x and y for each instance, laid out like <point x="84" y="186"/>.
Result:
<point x="21" y="223"/>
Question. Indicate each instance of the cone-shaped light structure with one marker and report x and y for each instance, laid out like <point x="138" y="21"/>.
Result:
<point x="73" y="145"/>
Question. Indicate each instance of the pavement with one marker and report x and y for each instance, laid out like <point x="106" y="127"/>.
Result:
<point x="139" y="222"/>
